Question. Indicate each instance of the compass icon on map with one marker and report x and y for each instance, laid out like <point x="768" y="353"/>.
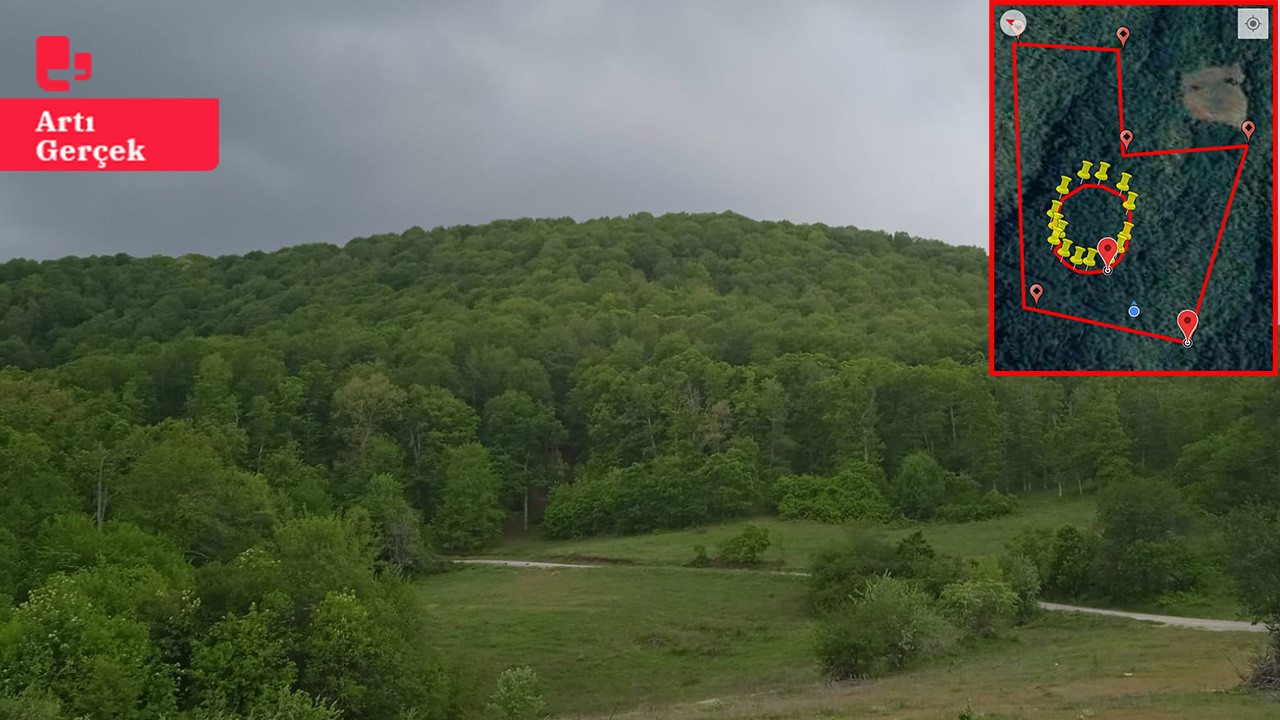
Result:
<point x="1013" y="22"/>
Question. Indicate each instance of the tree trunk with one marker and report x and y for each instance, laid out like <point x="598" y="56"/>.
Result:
<point x="100" y="500"/>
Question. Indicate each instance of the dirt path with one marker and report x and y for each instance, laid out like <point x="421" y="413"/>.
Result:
<point x="1198" y="623"/>
<point x="1171" y="620"/>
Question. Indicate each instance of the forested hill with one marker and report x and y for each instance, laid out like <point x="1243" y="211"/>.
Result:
<point x="215" y="473"/>
<point x="461" y="306"/>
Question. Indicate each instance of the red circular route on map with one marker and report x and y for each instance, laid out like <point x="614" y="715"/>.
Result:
<point x="1119" y="256"/>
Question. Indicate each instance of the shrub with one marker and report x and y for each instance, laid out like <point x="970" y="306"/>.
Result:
<point x="839" y="574"/>
<point x="700" y="558"/>
<point x="915" y="559"/>
<point x="1144" y="524"/>
<point x="1036" y="545"/>
<point x="993" y="504"/>
<point x="920" y="486"/>
<point x="1071" y="566"/>
<point x="891" y="625"/>
<point x="1024" y="579"/>
<point x="666" y="493"/>
<point x="518" y="696"/>
<point x="1148" y="568"/>
<point x="978" y="606"/>
<point x="745" y="547"/>
<point x="29" y="707"/>
<point x="582" y="507"/>
<point x="853" y="494"/>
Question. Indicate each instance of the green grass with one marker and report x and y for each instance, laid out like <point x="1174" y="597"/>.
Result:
<point x="619" y="637"/>
<point x="794" y="543"/>
<point x="651" y="642"/>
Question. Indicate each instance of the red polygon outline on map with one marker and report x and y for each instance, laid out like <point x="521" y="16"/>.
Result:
<point x="1275" y="139"/>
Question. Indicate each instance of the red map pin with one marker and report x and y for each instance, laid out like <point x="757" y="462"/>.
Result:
<point x="1187" y="321"/>
<point x="1123" y="34"/>
<point x="1247" y="127"/>
<point x="1126" y="137"/>
<point x="1036" y="292"/>
<point x="1107" y="251"/>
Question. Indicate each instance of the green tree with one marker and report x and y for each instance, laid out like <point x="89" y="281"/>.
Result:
<point x="1144" y="526"/>
<point x="241" y="663"/>
<point x="180" y="486"/>
<point x="96" y="664"/>
<point x="470" y="516"/>
<point x="524" y="437"/>
<point x="920" y="487"/>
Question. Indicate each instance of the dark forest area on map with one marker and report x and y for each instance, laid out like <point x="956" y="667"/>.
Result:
<point x="1186" y="82"/>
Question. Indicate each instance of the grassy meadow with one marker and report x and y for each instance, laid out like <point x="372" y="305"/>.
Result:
<point x="795" y="542"/>
<point x="663" y="642"/>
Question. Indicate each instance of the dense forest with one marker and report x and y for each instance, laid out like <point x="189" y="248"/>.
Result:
<point x="218" y="474"/>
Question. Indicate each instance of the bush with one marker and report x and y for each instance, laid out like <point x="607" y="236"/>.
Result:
<point x="700" y="557"/>
<point x="1024" y="579"/>
<point x="979" y="606"/>
<point x="915" y="559"/>
<point x="745" y="547"/>
<point x="993" y="504"/>
<point x="518" y="696"/>
<point x="667" y="493"/>
<point x="1036" y="545"/>
<point x="891" y="625"/>
<point x="839" y="574"/>
<point x="1072" y="563"/>
<point x="29" y="707"/>
<point x="1148" y="568"/>
<point x="853" y="494"/>
<point x="920" y="486"/>
<point x="1144" y="552"/>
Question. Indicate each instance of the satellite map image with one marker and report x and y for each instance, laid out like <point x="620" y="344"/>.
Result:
<point x="1133" y="198"/>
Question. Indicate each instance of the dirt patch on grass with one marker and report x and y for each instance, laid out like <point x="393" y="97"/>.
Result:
<point x="1215" y="94"/>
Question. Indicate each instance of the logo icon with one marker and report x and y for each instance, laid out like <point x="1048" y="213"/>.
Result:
<point x="53" y="52"/>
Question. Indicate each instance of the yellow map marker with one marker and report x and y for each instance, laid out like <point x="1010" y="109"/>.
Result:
<point x="1064" y="185"/>
<point x="1102" y="171"/>
<point x="1129" y="203"/>
<point x="1078" y="257"/>
<point x="1084" y="170"/>
<point x="1065" y="249"/>
<point x="1089" y="260"/>
<point x="1057" y="204"/>
<point x="1124" y="182"/>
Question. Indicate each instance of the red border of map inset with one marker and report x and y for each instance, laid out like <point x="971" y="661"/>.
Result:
<point x="1275" y="305"/>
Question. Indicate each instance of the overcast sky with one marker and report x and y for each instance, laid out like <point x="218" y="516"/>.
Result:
<point x="342" y="120"/>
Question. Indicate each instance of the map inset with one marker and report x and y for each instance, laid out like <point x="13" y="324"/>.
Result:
<point x="1133" y="191"/>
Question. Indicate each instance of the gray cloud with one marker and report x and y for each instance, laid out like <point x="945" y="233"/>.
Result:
<point x="343" y="119"/>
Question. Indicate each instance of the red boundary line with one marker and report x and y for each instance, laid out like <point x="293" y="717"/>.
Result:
<point x="1099" y="322"/>
<point x="1275" y="134"/>
<point x="1223" y="227"/>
